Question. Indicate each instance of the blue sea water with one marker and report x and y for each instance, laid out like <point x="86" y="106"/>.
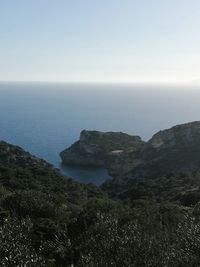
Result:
<point x="46" y="118"/>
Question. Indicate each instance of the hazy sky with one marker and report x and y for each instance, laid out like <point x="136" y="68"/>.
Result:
<point x="100" y="40"/>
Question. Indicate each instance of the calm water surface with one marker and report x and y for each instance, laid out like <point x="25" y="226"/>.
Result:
<point x="46" y="118"/>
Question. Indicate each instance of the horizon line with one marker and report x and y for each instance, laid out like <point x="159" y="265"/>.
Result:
<point x="194" y="83"/>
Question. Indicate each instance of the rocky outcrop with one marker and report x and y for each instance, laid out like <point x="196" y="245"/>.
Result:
<point x="171" y="151"/>
<point x="96" y="148"/>
<point x="128" y="158"/>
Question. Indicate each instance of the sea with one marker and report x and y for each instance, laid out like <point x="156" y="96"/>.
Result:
<point x="46" y="118"/>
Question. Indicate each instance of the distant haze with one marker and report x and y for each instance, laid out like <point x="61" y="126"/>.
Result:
<point x="100" y="41"/>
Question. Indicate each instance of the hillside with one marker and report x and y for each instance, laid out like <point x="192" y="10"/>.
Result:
<point x="47" y="219"/>
<point x="168" y="152"/>
<point x="19" y="170"/>
<point x="32" y="188"/>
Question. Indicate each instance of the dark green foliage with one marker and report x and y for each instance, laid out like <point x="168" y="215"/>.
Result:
<point x="152" y="222"/>
<point x="109" y="241"/>
<point x="49" y="199"/>
<point x="16" y="247"/>
<point x="181" y="188"/>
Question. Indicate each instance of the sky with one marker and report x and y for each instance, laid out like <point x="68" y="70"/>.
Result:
<point x="131" y="41"/>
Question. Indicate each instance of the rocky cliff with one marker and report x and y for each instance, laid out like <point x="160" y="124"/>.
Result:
<point x="96" y="148"/>
<point x="127" y="158"/>
<point x="171" y="151"/>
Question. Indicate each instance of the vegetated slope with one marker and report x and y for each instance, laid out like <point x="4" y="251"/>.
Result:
<point x="19" y="171"/>
<point x="50" y="220"/>
<point x="32" y="188"/>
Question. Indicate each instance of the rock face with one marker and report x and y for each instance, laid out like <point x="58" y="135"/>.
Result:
<point x="96" y="148"/>
<point x="128" y="158"/>
<point x="172" y="151"/>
